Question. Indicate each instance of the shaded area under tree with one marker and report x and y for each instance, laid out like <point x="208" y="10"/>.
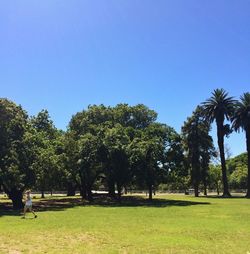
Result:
<point x="60" y="204"/>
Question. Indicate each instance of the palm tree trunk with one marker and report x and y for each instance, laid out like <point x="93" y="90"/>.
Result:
<point x="220" y="136"/>
<point x="248" y="162"/>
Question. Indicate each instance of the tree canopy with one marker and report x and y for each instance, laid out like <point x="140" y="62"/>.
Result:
<point x="120" y="148"/>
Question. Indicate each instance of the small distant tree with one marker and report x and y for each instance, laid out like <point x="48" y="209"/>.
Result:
<point x="214" y="178"/>
<point x="238" y="178"/>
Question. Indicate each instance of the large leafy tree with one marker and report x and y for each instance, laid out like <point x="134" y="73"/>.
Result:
<point x="137" y="117"/>
<point x="15" y="151"/>
<point x="47" y="144"/>
<point x="83" y="147"/>
<point x="120" y="145"/>
<point x="218" y="107"/>
<point x="145" y="161"/>
<point x="114" y="128"/>
<point x="154" y="155"/>
<point x="89" y="164"/>
<point x="70" y="162"/>
<point x="241" y="120"/>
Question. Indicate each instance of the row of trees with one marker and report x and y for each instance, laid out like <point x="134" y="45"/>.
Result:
<point x="116" y="148"/>
<point x="113" y="147"/>
<point x="220" y="107"/>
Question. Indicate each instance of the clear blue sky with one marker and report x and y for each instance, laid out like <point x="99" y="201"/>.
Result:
<point x="169" y="55"/>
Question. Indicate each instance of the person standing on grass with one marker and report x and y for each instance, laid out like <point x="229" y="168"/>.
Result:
<point x="28" y="204"/>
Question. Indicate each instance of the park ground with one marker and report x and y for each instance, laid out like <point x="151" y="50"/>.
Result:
<point x="169" y="224"/>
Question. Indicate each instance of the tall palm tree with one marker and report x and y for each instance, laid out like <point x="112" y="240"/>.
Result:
<point x="218" y="108"/>
<point x="241" y="120"/>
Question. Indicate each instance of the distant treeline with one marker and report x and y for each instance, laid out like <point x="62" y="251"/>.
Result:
<point x="120" y="148"/>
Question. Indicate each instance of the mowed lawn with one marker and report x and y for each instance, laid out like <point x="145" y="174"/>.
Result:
<point x="171" y="224"/>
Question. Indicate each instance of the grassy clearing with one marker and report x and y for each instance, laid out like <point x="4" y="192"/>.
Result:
<point x="171" y="224"/>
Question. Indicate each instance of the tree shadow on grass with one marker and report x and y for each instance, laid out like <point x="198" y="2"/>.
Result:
<point x="54" y="204"/>
<point x="51" y="204"/>
<point x="222" y="197"/>
<point x="137" y="201"/>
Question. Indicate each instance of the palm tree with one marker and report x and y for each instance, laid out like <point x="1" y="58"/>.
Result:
<point x="241" y="120"/>
<point x="217" y="108"/>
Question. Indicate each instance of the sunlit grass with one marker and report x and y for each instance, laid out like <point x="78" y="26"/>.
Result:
<point x="174" y="225"/>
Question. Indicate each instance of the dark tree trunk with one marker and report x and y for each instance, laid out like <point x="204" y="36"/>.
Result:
<point x="82" y="186"/>
<point x="150" y="192"/>
<point x="42" y="194"/>
<point x="248" y="161"/>
<point x="220" y="136"/>
<point x="119" y="190"/>
<point x="83" y="191"/>
<point x="89" y="193"/>
<point x="16" y="197"/>
<point x="196" y="189"/>
<point x="71" y="190"/>
<point x="111" y="186"/>
<point x="125" y="190"/>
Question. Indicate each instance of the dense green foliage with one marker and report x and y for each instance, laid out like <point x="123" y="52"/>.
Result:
<point x="121" y="148"/>
<point x="199" y="146"/>
<point x="48" y="165"/>
<point x="15" y="151"/>
<point x="237" y="168"/>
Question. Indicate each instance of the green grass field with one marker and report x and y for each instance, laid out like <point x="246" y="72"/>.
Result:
<point x="171" y="224"/>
